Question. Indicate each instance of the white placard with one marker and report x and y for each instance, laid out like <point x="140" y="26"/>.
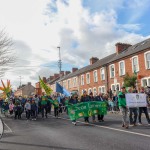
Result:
<point x="136" y="100"/>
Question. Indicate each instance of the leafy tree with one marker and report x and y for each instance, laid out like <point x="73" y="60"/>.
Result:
<point x="130" y="81"/>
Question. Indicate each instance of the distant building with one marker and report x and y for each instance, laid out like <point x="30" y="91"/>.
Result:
<point x="25" y="90"/>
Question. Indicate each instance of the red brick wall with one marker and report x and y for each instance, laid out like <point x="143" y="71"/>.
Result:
<point x="128" y="68"/>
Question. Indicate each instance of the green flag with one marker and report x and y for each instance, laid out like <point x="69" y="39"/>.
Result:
<point x="47" y="89"/>
<point x="87" y="109"/>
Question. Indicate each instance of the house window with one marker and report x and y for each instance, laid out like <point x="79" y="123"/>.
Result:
<point x="82" y="80"/>
<point x="68" y="84"/>
<point x="95" y="76"/>
<point x="89" y="91"/>
<point x="102" y="74"/>
<point x="74" y="82"/>
<point x="135" y="64"/>
<point x="64" y="84"/>
<point x="101" y="89"/>
<point x="148" y="81"/>
<point x="115" y="87"/>
<point x="144" y="82"/>
<point x="94" y="92"/>
<point x="88" y="78"/>
<point x="122" y="68"/>
<point x="147" y="60"/>
<point x="112" y="71"/>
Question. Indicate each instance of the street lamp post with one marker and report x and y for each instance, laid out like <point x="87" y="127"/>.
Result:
<point x="59" y="61"/>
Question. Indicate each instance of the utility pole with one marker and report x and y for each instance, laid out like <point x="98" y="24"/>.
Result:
<point x="59" y="61"/>
<point x="20" y="80"/>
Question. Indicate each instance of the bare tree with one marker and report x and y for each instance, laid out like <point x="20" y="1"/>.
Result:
<point x="7" y="57"/>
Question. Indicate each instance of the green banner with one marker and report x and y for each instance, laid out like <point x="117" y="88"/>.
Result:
<point x="86" y="109"/>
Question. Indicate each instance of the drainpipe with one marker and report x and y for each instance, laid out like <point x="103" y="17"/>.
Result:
<point x="107" y="83"/>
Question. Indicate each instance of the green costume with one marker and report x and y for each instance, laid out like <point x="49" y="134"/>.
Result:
<point x="121" y="99"/>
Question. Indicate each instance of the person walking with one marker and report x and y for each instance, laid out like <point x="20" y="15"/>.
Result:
<point x="73" y="101"/>
<point x="56" y="106"/>
<point x="122" y="107"/>
<point x="28" y="109"/>
<point x="33" y="110"/>
<point x="11" y="107"/>
<point x="44" y="105"/>
<point x="36" y="99"/>
<point x="143" y="109"/>
<point x="85" y="98"/>
<point x="92" y="98"/>
<point x="100" y="98"/>
<point x="132" y="111"/>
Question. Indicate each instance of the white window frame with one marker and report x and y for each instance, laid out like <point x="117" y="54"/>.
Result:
<point x="102" y="74"/>
<point x="94" y="94"/>
<point x="87" y="82"/>
<point x="137" y="64"/>
<point x="146" y="60"/>
<point x="119" y="85"/>
<point x="112" y="87"/>
<point x="82" y="81"/>
<point x="115" y="85"/>
<point x="89" y="90"/>
<point x="147" y="80"/>
<point x="100" y="89"/>
<point x="64" y="83"/>
<point x="96" y="76"/>
<point x="120" y="68"/>
<point x="74" y="82"/>
<point x="69" y="83"/>
<point x="110" y="70"/>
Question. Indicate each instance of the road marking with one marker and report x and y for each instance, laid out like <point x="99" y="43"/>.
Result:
<point x="9" y="130"/>
<point x="100" y="126"/>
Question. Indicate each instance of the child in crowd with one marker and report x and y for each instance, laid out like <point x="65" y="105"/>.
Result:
<point x="56" y="106"/>
<point x="28" y="109"/>
<point x="11" y="107"/>
<point x="33" y="110"/>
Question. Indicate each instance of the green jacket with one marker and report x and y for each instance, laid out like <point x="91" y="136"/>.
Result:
<point x="121" y="99"/>
<point x="43" y="100"/>
<point x="55" y="103"/>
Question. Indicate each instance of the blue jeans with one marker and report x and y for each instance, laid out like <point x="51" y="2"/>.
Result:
<point x="133" y="111"/>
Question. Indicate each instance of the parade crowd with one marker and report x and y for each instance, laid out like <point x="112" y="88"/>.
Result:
<point x="35" y="106"/>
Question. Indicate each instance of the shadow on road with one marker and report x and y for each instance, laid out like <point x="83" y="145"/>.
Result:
<point x="37" y="145"/>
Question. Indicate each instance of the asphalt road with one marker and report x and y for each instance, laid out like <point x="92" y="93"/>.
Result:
<point x="60" y="134"/>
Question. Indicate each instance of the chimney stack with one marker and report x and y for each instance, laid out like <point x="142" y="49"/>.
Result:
<point x="51" y="78"/>
<point x="120" y="47"/>
<point x="67" y="72"/>
<point x="62" y="73"/>
<point x="93" y="60"/>
<point x="56" y="75"/>
<point x="74" y="69"/>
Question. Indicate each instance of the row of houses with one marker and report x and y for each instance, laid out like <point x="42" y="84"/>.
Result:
<point x="107" y="73"/>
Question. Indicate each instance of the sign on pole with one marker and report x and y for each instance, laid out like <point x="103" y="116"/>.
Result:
<point x="136" y="100"/>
